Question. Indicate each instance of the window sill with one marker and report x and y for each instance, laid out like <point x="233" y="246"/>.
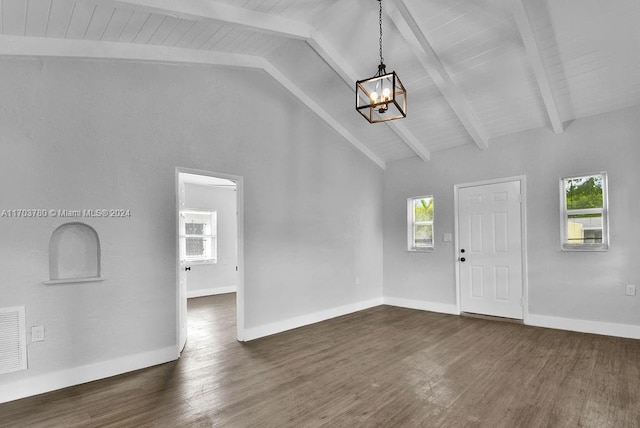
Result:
<point x="198" y="262"/>
<point x="585" y="248"/>
<point x="420" y="250"/>
<point x="73" y="280"/>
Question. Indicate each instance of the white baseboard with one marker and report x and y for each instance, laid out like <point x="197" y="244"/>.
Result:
<point x="75" y="376"/>
<point x="584" y="326"/>
<point x="443" y="308"/>
<point x="559" y="323"/>
<point x="291" y="323"/>
<point x="211" y="291"/>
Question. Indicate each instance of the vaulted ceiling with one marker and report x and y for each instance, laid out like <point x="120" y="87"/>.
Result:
<point x="474" y="70"/>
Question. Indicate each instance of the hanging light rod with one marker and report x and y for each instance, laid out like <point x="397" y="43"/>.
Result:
<point x="382" y="97"/>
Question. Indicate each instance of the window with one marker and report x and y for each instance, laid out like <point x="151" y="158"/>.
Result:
<point x="198" y="241"/>
<point x="420" y="223"/>
<point x="584" y="207"/>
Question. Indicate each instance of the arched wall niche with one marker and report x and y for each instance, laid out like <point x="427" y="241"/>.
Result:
<point x="74" y="254"/>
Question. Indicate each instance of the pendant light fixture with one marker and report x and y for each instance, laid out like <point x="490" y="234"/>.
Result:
<point x="382" y="97"/>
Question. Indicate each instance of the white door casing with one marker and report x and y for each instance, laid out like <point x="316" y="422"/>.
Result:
<point x="182" y="273"/>
<point x="489" y="251"/>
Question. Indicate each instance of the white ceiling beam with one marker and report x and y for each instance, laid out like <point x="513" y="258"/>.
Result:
<point x="71" y="48"/>
<point x="408" y="27"/>
<point x="203" y="10"/>
<point x="323" y="114"/>
<point x="533" y="52"/>
<point x="48" y="47"/>
<point x="256" y="21"/>
<point x="348" y="74"/>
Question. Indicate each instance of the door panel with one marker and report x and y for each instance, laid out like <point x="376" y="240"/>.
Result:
<point x="490" y="245"/>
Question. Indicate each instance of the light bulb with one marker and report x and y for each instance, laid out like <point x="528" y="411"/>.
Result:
<point x="374" y="97"/>
<point x="386" y="92"/>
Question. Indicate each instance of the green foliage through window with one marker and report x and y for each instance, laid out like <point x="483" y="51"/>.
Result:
<point x="420" y="233"/>
<point x="585" y="213"/>
<point x="423" y="209"/>
<point x="584" y="192"/>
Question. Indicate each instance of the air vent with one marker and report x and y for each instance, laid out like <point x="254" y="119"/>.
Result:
<point x="13" y="343"/>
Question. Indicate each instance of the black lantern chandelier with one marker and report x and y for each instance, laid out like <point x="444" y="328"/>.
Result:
<point x="382" y="97"/>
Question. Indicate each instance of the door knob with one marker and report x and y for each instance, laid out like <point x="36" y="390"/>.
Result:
<point x="187" y="268"/>
<point x="462" y="259"/>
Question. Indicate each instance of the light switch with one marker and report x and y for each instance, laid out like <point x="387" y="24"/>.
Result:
<point x="447" y="237"/>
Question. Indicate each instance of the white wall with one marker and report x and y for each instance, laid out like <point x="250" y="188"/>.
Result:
<point x="82" y="134"/>
<point x="574" y="285"/>
<point x="220" y="277"/>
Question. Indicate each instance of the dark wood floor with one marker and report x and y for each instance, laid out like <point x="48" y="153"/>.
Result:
<point x="386" y="367"/>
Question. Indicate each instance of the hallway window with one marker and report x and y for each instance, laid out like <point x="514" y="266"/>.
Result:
<point x="420" y="223"/>
<point x="198" y="238"/>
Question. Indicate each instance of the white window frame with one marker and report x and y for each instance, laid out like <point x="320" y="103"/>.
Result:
<point x="213" y="236"/>
<point x="411" y="224"/>
<point x="564" y="216"/>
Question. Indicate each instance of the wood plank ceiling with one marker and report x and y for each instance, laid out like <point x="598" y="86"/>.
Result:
<point x="475" y="70"/>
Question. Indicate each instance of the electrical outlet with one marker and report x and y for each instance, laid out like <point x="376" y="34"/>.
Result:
<point x="37" y="333"/>
<point x="357" y="280"/>
<point x="631" y="290"/>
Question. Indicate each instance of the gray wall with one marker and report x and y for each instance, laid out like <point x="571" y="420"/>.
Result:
<point x="587" y="286"/>
<point x="81" y="134"/>
<point x="207" y="277"/>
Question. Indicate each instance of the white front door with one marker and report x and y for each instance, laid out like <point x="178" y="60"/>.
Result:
<point x="490" y="249"/>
